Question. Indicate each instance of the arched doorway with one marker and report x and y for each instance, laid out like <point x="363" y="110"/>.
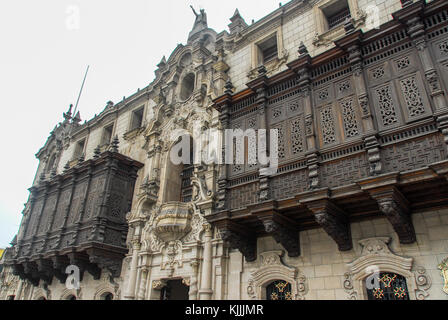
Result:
<point x="174" y="290"/>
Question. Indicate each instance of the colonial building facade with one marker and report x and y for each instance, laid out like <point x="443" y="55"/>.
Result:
<point x="357" y="209"/>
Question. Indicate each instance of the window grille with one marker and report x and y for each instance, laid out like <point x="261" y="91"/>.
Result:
<point x="279" y="290"/>
<point x="338" y="18"/>
<point x="391" y="287"/>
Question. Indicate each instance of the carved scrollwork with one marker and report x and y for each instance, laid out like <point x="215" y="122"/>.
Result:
<point x="423" y="283"/>
<point x="202" y="193"/>
<point x="158" y="284"/>
<point x="348" y="286"/>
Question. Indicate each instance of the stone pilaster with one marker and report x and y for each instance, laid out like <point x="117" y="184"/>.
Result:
<point x="206" y="292"/>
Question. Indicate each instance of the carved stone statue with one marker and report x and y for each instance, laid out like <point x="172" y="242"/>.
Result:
<point x="200" y="23"/>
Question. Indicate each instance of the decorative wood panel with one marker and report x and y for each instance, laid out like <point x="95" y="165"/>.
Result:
<point x="344" y="171"/>
<point x="243" y="196"/>
<point x="288" y="185"/>
<point x="414" y="154"/>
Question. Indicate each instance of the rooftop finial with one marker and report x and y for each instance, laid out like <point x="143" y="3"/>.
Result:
<point x="302" y="49"/>
<point x="96" y="152"/>
<point x="114" y="144"/>
<point x="81" y="158"/>
<point x="67" y="166"/>
<point x="229" y="87"/>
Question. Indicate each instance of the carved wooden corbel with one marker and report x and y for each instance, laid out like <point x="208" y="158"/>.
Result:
<point x="239" y="238"/>
<point x="334" y="221"/>
<point x="283" y="231"/>
<point x="395" y="207"/>
<point x="45" y="269"/>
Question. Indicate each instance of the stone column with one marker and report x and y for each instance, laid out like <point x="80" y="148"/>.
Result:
<point x="193" y="292"/>
<point x="130" y="292"/>
<point x="143" y="282"/>
<point x="205" y="293"/>
<point x="19" y="290"/>
<point x="156" y="163"/>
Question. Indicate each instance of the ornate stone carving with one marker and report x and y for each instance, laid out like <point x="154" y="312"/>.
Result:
<point x="172" y="255"/>
<point x="376" y="257"/>
<point x="423" y="283"/>
<point x="443" y="267"/>
<point x="202" y="193"/>
<point x="158" y="284"/>
<point x="348" y="286"/>
<point x="197" y="226"/>
<point x="272" y="268"/>
<point x="186" y="281"/>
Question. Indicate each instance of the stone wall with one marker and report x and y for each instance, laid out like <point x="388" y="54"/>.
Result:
<point x="324" y="266"/>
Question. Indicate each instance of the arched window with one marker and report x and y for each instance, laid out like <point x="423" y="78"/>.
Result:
<point x="387" y="286"/>
<point x="187" y="86"/>
<point x="279" y="290"/>
<point x="51" y="162"/>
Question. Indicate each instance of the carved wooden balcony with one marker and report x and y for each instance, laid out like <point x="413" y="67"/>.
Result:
<point x="77" y="218"/>
<point x="362" y="134"/>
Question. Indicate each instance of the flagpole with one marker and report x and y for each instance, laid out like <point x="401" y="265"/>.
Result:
<point x="80" y="91"/>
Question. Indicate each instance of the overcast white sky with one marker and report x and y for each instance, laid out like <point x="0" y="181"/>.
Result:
<point x="43" y="57"/>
